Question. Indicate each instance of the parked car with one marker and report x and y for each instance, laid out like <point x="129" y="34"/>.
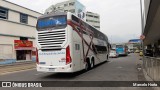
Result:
<point x="137" y="51"/>
<point x="141" y="53"/>
<point x="113" y="53"/>
<point x="129" y="51"/>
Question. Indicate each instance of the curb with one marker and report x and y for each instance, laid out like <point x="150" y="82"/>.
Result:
<point x="17" y="63"/>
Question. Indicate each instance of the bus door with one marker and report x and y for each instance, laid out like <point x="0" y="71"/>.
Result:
<point x="77" y="55"/>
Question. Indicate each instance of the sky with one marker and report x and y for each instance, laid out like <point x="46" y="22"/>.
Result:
<point x="119" y="19"/>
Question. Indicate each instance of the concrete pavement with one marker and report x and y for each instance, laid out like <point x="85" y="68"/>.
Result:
<point x="16" y="67"/>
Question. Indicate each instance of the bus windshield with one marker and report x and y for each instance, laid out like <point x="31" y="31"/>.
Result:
<point x="55" y="22"/>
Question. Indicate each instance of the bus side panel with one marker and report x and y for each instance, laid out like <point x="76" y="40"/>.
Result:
<point x="75" y="44"/>
<point x="100" y="57"/>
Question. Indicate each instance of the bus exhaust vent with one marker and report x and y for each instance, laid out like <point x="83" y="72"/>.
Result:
<point x="51" y="40"/>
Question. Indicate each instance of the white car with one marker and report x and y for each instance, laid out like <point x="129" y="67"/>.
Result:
<point x="113" y="53"/>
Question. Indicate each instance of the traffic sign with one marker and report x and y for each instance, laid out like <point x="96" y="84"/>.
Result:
<point x="142" y="37"/>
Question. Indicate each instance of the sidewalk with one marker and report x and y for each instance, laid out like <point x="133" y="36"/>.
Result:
<point x="19" y="66"/>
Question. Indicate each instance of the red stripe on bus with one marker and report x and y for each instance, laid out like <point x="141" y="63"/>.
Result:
<point x="73" y="25"/>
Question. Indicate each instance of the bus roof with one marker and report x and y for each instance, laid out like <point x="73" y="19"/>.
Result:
<point x="52" y="14"/>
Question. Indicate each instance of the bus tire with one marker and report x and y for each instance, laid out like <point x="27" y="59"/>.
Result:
<point x="92" y="63"/>
<point x="88" y="65"/>
<point x="107" y="58"/>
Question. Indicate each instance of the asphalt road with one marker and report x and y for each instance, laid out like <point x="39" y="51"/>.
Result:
<point x="117" y="69"/>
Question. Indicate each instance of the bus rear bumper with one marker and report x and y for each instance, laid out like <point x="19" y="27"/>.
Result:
<point x="62" y="69"/>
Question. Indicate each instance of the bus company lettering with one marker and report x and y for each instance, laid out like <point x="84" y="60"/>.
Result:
<point x="52" y="53"/>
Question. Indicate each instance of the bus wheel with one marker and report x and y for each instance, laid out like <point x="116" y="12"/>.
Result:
<point x="92" y="63"/>
<point x="88" y="65"/>
<point x="107" y="57"/>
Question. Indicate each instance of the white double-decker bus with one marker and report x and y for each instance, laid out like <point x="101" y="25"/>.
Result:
<point x="65" y="43"/>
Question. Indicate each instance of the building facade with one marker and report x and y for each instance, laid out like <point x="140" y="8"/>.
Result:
<point x="134" y="44"/>
<point x="151" y="41"/>
<point x="93" y="19"/>
<point x="78" y="9"/>
<point x="72" y="6"/>
<point x="17" y="32"/>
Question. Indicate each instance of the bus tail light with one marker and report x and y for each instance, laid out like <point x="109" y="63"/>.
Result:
<point x="37" y="59"/>
<point x="68" y="56"/>
<point x="125" y="50"/>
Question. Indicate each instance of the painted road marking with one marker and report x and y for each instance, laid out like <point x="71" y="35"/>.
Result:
<point x="40" y="73"/>
<point x="120" y="67"/>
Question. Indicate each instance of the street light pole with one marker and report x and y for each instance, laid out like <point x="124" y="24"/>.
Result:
<point x="141" y="10"/>
<point x="142" y="28"/>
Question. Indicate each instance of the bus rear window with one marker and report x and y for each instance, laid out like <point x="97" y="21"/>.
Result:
<point x="52" y="22"/>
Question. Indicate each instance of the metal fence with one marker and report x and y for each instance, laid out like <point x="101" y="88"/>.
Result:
<point x="152" y="67"/>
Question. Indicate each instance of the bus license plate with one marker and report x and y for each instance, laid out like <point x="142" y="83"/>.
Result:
<point x="51" y="69"/>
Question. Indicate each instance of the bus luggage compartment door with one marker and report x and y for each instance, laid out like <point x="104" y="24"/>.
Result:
<point x="77" y="55"/>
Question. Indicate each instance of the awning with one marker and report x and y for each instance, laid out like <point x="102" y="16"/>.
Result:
<point x="26" y="48"/>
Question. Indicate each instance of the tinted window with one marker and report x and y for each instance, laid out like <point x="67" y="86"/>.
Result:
<point x="101" y="49"/>
<point x="75" y="19"/>
<point x="97" y="34"/>
<point x="52" y="22"/>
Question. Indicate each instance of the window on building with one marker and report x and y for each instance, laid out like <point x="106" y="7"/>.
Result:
<point x="71" y="4"/>
<point x="72" y="10"/>
<point x="89" y="15"/>
<point x="96" y="17"/>
<point x="23" y="18"/>
<point x="23" y="38"/>
<point x="96" y="21"/>
<point x="97" y="26"/>
<point x="65" y="5"/>
<point x="65" y="10"/>
<point x="90" y="21"/>
<point x="3" y="13"/>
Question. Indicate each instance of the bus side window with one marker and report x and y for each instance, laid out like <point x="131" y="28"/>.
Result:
<point x="77" y="47"/>
<point x="79" y="30"/>
<point x="94" y="49"/>
<point x="101" y="49"/>
<point x="74" y="18"/>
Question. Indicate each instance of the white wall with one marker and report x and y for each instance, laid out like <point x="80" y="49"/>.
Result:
<point x="11" y="29"/>
<point x="16" y="29"/>
<point x="18" y="8"/>
<point x="13" y="16"/>
<point x="8" y="42"/>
